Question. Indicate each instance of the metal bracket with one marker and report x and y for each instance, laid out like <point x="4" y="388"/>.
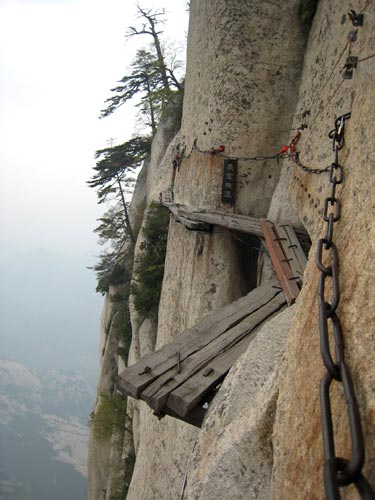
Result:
<point x="337" y="134"/>
<point x="356" y="19"/>
<point x="350" y="64"/>
<point x="147" y="369"/>
<point x="352" y="36"/>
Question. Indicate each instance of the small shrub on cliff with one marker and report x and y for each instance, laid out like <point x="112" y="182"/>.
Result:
<point x="121" y="323"/>
<point x="110" y="418"/>
<point x="108" y="273"/>
<point x="149" y="265"/>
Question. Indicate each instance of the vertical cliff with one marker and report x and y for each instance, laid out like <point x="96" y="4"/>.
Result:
<point x="251" y="73"/>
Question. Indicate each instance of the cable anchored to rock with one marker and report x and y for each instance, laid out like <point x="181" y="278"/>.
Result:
<point x="220" y="150"/>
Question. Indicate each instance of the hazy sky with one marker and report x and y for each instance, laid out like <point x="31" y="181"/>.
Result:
<point x="58" y="60"/>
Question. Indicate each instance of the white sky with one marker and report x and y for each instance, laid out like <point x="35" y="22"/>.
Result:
<point x="58" y="61"/>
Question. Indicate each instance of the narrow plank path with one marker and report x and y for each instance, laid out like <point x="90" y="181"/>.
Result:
<point x="181" y="377"/>
<point x="202" y="220"/>
<point x="200" y="357"/>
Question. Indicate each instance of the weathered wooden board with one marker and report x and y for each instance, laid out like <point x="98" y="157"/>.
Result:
<point x="185" y="397"/>
<point x="194" y="417"/>
<point x="194" y="225"/>
<point x="135" y="378"/>
<point x="280" y="261"/>
<point x="156" y="394"/>
<point x="237" y="222"/>
<point x="189" y="223"/>
<point x="196" y="385"/>
<point x="249" y="225"/>
<point x="303" y="238"/>
<point x="292" y="250"/>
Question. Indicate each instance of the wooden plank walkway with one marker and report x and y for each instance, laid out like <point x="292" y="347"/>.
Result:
<point x="178" y="378"/>
<point x="201" y="220"/>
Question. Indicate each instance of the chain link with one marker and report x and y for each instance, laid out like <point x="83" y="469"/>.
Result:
<point x="181" y="154"/>
<point x="338" y="472"/>
<point x="310" y="170"/>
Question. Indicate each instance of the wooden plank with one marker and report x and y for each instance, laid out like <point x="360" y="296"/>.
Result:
<point x="280" y="262"/>
<point x="193" y="390"/>
<point x="194" y="417"/>
<point x="237" y="222"/>
<point x="185" y="397"/>
<point x="156" y="394"/>
<point x="135" y="378"/>
<point x="303" y="238"/>
<point x="194" y="225"/>
<point x="243" y="224"/>
<point x="292" y="250"/>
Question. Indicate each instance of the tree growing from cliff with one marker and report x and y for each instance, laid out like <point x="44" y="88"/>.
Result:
<point x="145" y="80"/>
<point x="151" y="77"/>
<point x="114" y="177"/>
<point x="111" y="417"/>
<point x="152" y="18"/>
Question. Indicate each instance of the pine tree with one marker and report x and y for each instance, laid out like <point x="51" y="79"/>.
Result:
<point x="150" y="76"/>
<point x="114" y="170"/>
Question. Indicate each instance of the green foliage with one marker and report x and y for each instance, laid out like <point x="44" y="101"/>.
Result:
<point x="147" y="81"/>
<point x="149" y="265"/>
<point x="151" y="78"/>
<point x="115" y="164"/>
<point x="109" y="272"/>
<point x="110" y="417"/>
<point x="121" y="325"/>
<point x="306" y="12"/>
<point x="144" y="79"/>
<point x="111" y="227"/>
<point x="129" y="463"/>
<point x="138" y="217"/>
<point x="123" y="471"/>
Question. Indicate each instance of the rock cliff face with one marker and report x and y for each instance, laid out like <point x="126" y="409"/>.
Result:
<point x="249" y="77"/>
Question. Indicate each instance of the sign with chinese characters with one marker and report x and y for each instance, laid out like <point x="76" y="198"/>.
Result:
<point x="228" y="192"/>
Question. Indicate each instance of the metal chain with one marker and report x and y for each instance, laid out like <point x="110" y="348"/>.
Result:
<point x="338" y="472"/>
<point x="310" y="170"/>
<point x="259" y="158"/>
<point x="219" y="152"/>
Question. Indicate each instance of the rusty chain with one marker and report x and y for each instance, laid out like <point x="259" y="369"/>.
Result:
<point x="310" y="170"/>
<point x="338" y="472"/>
<point x="181" y="154"/>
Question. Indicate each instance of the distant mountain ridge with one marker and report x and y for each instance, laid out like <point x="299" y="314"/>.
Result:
<point x="43" y="427"/>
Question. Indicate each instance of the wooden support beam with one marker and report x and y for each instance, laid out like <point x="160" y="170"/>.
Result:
<point x="134" y="379"/>
<point x="194" y="417"/>
<point x="280" y="261"/>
